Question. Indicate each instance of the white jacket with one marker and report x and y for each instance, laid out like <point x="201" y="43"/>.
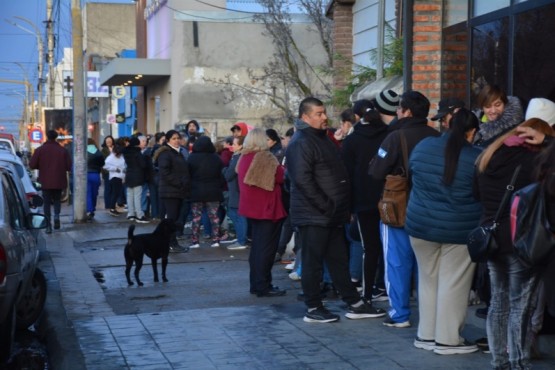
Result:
<point x="115" y="166"/>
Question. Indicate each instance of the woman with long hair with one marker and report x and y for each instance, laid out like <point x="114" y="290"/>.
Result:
<point x="440" y="214"/>
<point x="106" y="148"/>
<point x="260" y="180"/>
<point x="95" y="161"/>
<point x="512" y="283"/>
<point x="115" y="166"/>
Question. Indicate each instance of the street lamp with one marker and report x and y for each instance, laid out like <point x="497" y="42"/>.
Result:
<point x="40" y="46"/>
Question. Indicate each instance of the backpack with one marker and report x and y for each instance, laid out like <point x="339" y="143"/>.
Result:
<point x="532" y="235"/>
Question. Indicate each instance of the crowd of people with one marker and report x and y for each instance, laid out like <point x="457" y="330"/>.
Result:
<point x="322" y="186"/>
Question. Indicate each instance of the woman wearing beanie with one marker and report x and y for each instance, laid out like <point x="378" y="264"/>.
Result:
<point x="357" y="151"/>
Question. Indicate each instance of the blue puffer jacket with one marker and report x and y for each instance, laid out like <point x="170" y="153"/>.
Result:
<point x="439" y="213"/>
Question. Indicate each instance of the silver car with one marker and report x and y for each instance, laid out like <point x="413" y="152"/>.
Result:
<point x="31" y="192"/>
<point x="22" y="284"/>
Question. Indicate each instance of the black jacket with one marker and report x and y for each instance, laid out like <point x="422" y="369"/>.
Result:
<point x="232" y="185"/>
<point x="95" y="161"/>
<point x="389" y="159"/>
<point x="357" y="150"/>
<point x="489" y="187"/>
<point x="174" y="180"/>
<point x="205" y="167"/>
<point x="319" y="180"/>
<point x="136" y="165"/>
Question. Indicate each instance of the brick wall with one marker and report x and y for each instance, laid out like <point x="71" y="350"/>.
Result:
<point x="426" y="60"/>
<point x="342" y="15"/>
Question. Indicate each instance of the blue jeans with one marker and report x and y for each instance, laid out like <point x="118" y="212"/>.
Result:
<point x="513" y="290"/>
<point x="240" y="224"/>
<point x="93" y="184"/>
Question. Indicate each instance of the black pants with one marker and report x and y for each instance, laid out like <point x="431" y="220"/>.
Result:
<point x="265" y="238"/>
<point x="369" y="226"/>
<point x="52" y="197"/>
<point x="325" y="244"/>
<point x="115" y="185"/>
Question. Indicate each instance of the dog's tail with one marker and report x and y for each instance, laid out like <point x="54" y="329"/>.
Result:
<point x="130" y="234"/>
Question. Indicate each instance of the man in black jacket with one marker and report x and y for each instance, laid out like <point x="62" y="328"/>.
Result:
<point x="320" y="209"/>
<point x="399" y="257"/>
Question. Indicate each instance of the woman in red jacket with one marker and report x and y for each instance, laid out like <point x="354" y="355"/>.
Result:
<point x="260" y="179"/>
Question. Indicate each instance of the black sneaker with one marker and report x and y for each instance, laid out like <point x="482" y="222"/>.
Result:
<point x="379" y="295"/>
<point x="131" y="218"/>
<point x="320" y="314"/>
<point x="364" y="311"/>
<point x="483" y="345"/>
<point x="114" y="213"/>
<point x="142" y="220"/>
<point x="57" y="223"/>
<point x="482" y="313"/>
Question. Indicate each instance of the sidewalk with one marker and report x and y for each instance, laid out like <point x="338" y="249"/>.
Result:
<point x="84" y="332"/>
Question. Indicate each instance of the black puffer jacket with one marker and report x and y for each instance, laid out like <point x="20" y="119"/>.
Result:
<point x="357" y="150"/>
<point x="319" y="181"/>
<point x="205" y="167"/>
<point x="136" y="165"/>
<point x="174" y="179"/>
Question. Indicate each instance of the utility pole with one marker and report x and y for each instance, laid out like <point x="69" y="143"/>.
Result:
<point x="50" y="36"/>
<point x="79" y="121"/>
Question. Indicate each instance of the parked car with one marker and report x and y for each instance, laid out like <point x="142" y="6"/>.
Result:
<point x="31" y="193"/>
<point x="22" y="284"/>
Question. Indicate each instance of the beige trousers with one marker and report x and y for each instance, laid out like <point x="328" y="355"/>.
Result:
<point x="445" y="275"/>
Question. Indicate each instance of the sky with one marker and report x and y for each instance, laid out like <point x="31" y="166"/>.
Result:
<point x="19" y="50"/>
<point x="20" y="46"/>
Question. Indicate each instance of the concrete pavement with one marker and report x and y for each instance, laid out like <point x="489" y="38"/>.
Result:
<point x="205" y="318"/>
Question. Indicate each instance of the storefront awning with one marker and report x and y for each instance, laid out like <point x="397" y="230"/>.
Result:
<point x="134" y="72"/>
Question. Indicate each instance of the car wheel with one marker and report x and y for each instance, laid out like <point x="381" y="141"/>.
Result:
<point x="7" y="332"/>
<point x="32" y="303"/>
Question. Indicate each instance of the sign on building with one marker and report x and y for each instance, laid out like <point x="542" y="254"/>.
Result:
<point x="92" y="85"/>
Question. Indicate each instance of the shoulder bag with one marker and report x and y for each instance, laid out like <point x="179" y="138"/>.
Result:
<point x="481" y="243"/>
<point x="393" y="204"/>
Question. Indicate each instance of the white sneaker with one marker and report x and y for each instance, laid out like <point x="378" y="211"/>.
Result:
<point x="460" y="349"/>
<point x="236" y="247"/>
<point x="290" y="266"/>
<point x="294" y="276"/>
<point x="215" y="245"/>
<point x="194" y="246"/>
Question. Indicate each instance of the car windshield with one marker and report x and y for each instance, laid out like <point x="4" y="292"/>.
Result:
<point x="4" y="145"/>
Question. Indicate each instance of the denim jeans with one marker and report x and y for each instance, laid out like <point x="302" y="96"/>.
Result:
<point x="513" y="290"/>
<point x="240" y="224"/>
<point x="93" y="184"/>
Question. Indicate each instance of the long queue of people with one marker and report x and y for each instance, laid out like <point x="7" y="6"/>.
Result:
<point x="324" y="186"/>
<point x="457" y="180"/>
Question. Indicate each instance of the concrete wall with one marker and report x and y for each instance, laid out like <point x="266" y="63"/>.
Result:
<point x="108" y="28"/>
<point x="228" y="49"/>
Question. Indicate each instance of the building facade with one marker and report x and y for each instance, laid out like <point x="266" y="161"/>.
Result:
<point x="455" y="47"/>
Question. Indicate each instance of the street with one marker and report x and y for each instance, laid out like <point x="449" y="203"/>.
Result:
<point x="204" y="317"/>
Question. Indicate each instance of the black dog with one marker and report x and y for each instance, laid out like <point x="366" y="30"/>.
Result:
<point x="155" y="245"/>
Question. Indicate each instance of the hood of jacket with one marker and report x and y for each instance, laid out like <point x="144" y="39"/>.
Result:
<point x="204" y="145"/>
<point x="369" y="129"/>
<point x="511" y="117"/>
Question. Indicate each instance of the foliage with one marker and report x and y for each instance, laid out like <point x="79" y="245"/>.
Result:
<point x="289" y="76"/>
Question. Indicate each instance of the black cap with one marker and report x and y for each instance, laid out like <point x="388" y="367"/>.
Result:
<point x="447" y="105"/>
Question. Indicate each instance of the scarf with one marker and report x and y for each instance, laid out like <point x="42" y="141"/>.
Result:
<point x="262" y="170"/>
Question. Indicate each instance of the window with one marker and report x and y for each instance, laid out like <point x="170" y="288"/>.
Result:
<point x="487" y="6"/>
<point x="454" y="11"/>
<point x="490" y="56"/>
<point x="13" y="202"/>
<point x="534" y="54"/>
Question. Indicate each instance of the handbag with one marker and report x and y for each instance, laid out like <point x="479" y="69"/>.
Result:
<point x="393" y="203"/>
<point x="533" y="240"/>
<point x="481" y="243"/>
